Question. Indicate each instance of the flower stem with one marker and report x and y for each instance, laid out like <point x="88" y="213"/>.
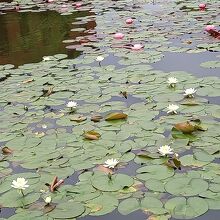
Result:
<point x="22" y="192"/>
<point x="110" y="176"/>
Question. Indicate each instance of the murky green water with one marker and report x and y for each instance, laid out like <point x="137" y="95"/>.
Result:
<point x="28" y="36"/>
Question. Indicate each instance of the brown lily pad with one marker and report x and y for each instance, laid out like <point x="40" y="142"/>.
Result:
<point x="78" y="118"/>
<point x="96" y="118"/>
<point x="91" y="135"/>
<point x="7" y="150"/>
<point x="116" y="116"/>
<point x="185" y="127"/>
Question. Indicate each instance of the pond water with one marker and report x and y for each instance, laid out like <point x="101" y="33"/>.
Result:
<point x="48" y="57"/>
<point x="27" y="37"/>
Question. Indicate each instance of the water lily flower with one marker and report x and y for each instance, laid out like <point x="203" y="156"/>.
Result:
<point x="78" y="4"/>
<point x="99" y="58"/>
<point x="129" y="21"/>
<point x="165" y="150"/>
<point x="46" y="58"/>
<point x="190" y="92"/>
<point x="172" y="81"/>
<point x="44" y="126"/>
<point x="119" y="36"/>
<point x="48" y="200"/>
<point x="71" y="105"/>
<point x="210" y="28"/>
<point x="50" y="1"/>
<point x="137" y="47"/>
<point x="176" y="155"/>
<point x="20" y="183"/>
<point x="111" y="163"/>
<point x="202" y="6"/>
<point x="172" y="109"/>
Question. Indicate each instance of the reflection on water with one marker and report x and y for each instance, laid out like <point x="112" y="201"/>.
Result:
<point x="27" y="37"/>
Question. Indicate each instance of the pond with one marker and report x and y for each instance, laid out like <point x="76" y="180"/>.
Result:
<point x="109" y="110"/>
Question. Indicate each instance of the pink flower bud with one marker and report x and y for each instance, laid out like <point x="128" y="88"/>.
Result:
<point x="119" y="36"/>
<point x="137" y="47"/>
<point x="210" y="28"/>
<point x="202" y="6"/>
<point x="129" y="21"/>
<point x="78" y="4"/>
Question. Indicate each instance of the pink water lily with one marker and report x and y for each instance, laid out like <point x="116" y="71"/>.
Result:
<point x="137" y="47"/>
<point x="50" y="1"/>
<point x="129" y="21"/>
<point x="119" y="36"/>
<point x="202" y="6"/>
<point x="210" y="28"/>
<point x="78" y="4"/>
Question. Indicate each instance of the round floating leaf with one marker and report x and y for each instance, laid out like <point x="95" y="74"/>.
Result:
<point x="186" y="186"/>
<point x="113" y="182"/>
<point x="182" y="208"/>
<point x="128" y="206"/>
<point x="14" y="199"/>
<point x="105" y="204"/>
<point x="203" y="156"/>
<point x="67" y="210"/>
<point x="189" y="160"/>
<point x="158" y="172"/>
<point x="153" y="205"/>
<point x="155" y="185"/>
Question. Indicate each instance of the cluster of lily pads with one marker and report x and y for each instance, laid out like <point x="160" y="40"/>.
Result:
<point x="84" y="137"/>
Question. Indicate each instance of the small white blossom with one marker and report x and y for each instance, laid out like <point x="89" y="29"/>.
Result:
<point x="20" y="183"/>
<point x="46" y="58"/>
<point x="99" y="58"/>
<point x="44" y="126"/>
<point x="172" y="81"/>
<point x="172" y="109"/>
<point x="176" y="155"/>
<point x="48" y="200"/>
<point x="164" y="150"/>
<point x="111" y="163"/>
<point x="71" y="104"/>
<point x="190" y="92"/>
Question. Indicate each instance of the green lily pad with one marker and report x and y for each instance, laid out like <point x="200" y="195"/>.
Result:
<point x="185" y="186"/>
<point x="182" y="208"/>
<point x="67" y="210"/>
<point x="115" y="183"/>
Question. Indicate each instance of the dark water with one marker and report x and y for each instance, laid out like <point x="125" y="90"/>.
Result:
<point x="28" y="36"/>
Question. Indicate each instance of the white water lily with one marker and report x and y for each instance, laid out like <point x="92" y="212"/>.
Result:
<point x="111" y="163"/>
<point x="99" y="58"/>
<point x="46" y="58"/>
<point x="20" y="183"/>
<point x="172" y="109"/>
<point x="48" y="200"/>
<point x="189" y="92"/>
<point x="172" y="81"/>
<point x="166" y="149"/>
<point x="71" y="104"/>
<point x="44" y="126"/>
